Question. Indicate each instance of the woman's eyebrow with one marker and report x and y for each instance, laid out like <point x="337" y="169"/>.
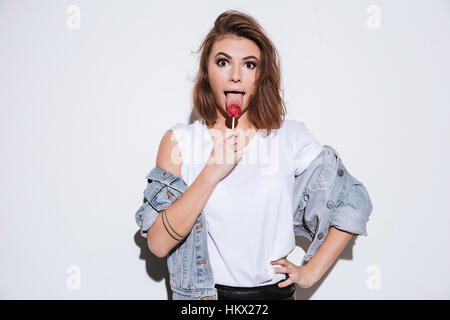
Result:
<point x="229" y="57"/>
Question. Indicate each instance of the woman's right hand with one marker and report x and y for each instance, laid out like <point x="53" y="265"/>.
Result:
<point x="226" y="152"/>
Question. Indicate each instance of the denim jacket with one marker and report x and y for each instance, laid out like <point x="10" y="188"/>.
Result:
<point x="325" y="195"/>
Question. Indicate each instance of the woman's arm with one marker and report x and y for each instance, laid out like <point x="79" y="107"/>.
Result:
<point x="184" y="212"/>
<point x="334" y="243"/>
<point x="307" y="275"/>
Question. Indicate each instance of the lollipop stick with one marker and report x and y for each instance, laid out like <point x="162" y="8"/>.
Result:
<point x="232" y="126"/>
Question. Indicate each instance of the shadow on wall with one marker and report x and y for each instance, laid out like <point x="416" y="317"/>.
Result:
<point x="156" y="267"/>
<point x="346" y="254"/>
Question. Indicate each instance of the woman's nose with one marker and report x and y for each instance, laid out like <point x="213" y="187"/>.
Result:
<point x="235" y="74"/>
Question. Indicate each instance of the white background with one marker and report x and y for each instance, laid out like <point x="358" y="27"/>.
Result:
<point x="83" y="111"/>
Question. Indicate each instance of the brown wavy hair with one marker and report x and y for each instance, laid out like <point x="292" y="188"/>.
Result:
<point x="266" y="109"/>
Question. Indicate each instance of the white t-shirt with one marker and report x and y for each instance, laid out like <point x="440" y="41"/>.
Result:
<point x="250" y="212"/>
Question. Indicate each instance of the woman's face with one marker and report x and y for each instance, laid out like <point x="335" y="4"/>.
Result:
<point x="233" y="65"/>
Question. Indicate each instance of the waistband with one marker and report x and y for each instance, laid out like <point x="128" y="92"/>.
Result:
<point x="268" y="292"/>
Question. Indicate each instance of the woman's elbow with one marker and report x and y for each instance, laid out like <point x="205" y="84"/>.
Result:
<point x="155" y="246"/>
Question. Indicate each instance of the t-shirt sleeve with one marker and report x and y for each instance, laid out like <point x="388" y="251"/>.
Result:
<point x="181" y="135"/>
<point x="306" y="147"/>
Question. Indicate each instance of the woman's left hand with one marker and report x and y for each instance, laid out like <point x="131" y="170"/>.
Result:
<point x="300" y="275"/>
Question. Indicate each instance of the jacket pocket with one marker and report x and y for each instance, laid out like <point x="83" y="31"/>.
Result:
<point x="160" y="196"/>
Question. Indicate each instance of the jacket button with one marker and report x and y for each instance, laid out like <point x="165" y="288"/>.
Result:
<point x="330" y="204"/>
<point x="341" y="172"/>
<point x="320" y="236"/>
<point x="201" y="261"/>
<point x="199" y="226"/>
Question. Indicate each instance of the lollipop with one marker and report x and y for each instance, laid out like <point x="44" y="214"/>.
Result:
<point x="234" y="103"/>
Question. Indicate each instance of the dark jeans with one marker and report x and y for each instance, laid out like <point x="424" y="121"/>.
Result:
<point x="269" y="292"/>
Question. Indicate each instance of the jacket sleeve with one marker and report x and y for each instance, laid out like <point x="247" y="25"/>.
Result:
<point x="331" y="197"/>
<point x="146" y="214"/>
<point x="162" y="190"/>
<point x="352" y="211"/>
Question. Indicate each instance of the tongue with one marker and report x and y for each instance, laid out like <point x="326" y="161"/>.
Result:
<point x="234" y="104"/>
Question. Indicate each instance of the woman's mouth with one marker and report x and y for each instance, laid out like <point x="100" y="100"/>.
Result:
<point x="234" y="98"/>
<point x="227" y="92"/>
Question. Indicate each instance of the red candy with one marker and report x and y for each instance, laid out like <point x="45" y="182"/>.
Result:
<point x="234" y="104"/>
<point x="234" y="110"/>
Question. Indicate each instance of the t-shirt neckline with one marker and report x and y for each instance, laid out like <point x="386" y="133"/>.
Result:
<point x="256" y="136"/>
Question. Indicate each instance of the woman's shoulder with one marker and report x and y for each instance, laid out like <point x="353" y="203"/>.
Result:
<point x="298" y="133"/>
<point x="186" y="134"/>
<point x="292" y="126"/>
<point x="183" y="127"/>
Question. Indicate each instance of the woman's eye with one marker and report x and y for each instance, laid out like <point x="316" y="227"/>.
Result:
<point x="252" y="64"/>
<point x="219" y="61"/>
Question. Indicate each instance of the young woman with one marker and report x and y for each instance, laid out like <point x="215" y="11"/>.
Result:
<point x="239" y="173"/>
